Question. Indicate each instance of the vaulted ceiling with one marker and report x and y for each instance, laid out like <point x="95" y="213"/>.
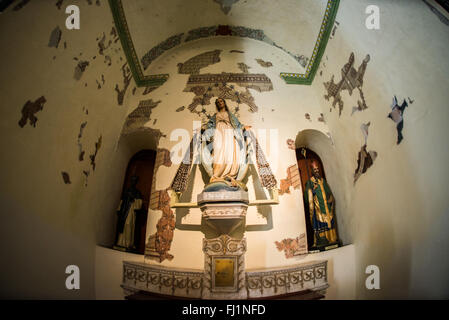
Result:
<point x="149" y="28"/>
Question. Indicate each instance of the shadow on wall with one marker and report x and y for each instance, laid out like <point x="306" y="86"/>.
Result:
<point x="322" y="145"/>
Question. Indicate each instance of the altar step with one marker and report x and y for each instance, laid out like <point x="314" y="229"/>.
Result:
<point x="302" y="295"/>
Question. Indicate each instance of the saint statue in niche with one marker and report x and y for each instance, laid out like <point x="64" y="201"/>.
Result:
<point x="130" y="204"/>
<point x="321" y="204"/>
<point x="225" y="158"/>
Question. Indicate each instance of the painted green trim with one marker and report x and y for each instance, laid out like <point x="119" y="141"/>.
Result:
<point x="118" y="15"/>
<point x="318" y="51"/>
<point x="158" y="79"/>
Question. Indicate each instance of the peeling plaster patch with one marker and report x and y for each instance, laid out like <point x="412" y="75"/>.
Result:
<point x="206" y="86"/>
<point x="361" y="104"/>
<point x="226" y="5"/>
<point x="160" y="48"/>
<point x="101" y="46"/>
<point x="307" y="116"/>
<point x="202" y="32"/>
<point x="364" y="162"/>
<point x="213" y="31"/>
<point x="107" y="60"/>
<point x="66" y="177"/>
<point x="195" y="64"/>
<point x="20" y="5"/>
<point x="293" y="247"/>
<point x="59" y="4"/>
<point x="321" y="118"/>
<point x="141" y="115"/>
<point x="150" y="89"/>
<point x="29" y="110"/>
<point x="291" y="144"/>
<point x="159" y="243"/>
<point x="86" y="176"/>
<point x="93" y="156"/>
<point x="55" y="37"/>
<point x="237" y="51"/>
<point x="336" y="24"/>
<point x="80" y="68"/>
<point x="397" y="115"/>
<point x="180" y="109"/>
<point x="364" y="127"/>
<point x="81" y="151"/>
<point x="293" y="180"/>
<point x="351" y="79"/>
<point x="265" y="64"/>
<point x="126" y="81"/>
<point x="243" y="67"/>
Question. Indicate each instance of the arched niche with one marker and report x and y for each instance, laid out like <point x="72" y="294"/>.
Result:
<point x="135" y="155"/>
<point x="321" y="146"/>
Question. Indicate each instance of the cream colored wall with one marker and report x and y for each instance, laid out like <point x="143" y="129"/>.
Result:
<point x="46" y="224"/>
<point x="397" y="211"/>
<point x="281" y="21"/>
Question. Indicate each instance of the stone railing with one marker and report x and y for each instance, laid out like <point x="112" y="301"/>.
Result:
<point x="192" y="284"/>
<point x="279" y="281"/>
<point x="167" y="281"/>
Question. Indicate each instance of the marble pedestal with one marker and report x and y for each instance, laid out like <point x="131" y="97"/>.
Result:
<point x="224" y="256"/>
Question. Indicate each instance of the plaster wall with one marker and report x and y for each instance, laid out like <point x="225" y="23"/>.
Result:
<point x="396" y="213"/>
<point x="49" y="224"/>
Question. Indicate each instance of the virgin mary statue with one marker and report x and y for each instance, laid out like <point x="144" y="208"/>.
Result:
<point x="224" y="154"/>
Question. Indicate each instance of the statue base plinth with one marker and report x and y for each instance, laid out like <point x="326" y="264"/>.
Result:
<point x="224" y="211"/>
<point x="223" y="196"/>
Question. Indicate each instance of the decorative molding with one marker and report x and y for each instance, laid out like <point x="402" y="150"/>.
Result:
<point x="311" y="65"/>
<point x="167" y="281"/>
<point x="318" y="51"/>
<point x="274" y="282"/>
<point x="223" y="196"/>
<point x="121" y="25"/>
<point x="225" y="248"/>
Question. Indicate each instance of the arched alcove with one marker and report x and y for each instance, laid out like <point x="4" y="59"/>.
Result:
<point x="141" y="166"/>
<point x="322" y="147"/>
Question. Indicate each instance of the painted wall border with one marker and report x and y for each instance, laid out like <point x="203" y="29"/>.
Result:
<point x="121" y="25"/>
<point x="318" y="51"/>
<point x="158" y="79"/>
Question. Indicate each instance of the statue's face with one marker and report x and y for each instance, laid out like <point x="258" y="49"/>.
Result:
<point x="221" y="104"/>
<point x="315" y="170"/>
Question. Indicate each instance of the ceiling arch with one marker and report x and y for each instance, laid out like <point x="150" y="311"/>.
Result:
<point x="148" y="28"/>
